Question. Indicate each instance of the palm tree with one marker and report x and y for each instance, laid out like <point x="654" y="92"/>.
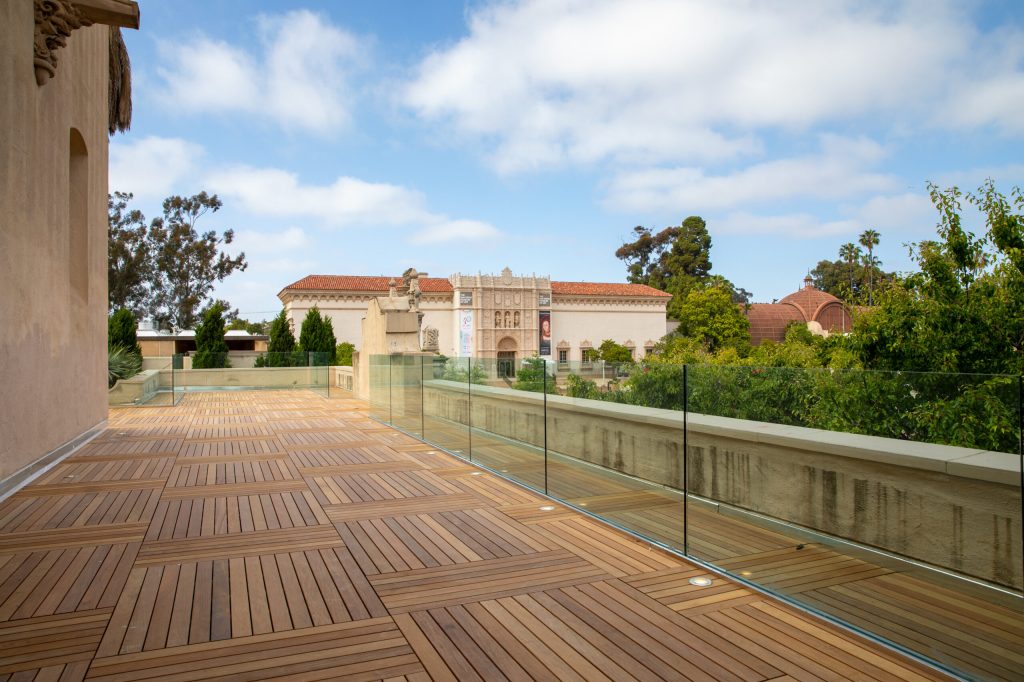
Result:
<point x="869" y="240"/>
<point x="850" y="252"/>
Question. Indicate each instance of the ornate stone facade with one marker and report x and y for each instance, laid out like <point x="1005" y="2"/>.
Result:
<point x="493" y="316"/>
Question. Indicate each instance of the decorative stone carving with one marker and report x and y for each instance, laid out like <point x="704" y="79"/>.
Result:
<point x="431" y="339"/>
<point x="411" y="287"/>
<point x="55" y="20"/>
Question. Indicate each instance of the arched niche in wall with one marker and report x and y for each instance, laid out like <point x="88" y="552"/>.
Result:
<point x="78" y="217"/>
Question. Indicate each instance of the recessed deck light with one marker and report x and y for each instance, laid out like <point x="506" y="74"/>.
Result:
<point x="702" y="581"/>
<point x="547" y="507"/>
<point x="476" y="473"/>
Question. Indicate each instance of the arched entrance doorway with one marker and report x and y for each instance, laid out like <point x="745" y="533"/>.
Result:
<point x="507" y="357"/>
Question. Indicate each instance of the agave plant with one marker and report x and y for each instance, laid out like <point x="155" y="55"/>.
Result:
<point x="122" y="363"/>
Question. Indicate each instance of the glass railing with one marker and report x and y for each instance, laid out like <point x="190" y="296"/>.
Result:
<point x="166" y="380"/>
<point x="889" y="501"/>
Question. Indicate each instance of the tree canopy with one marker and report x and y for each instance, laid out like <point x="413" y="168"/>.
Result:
<point x="168" y="269"/>
<point x="709" y="315"/>
<point x="612" y="352"/>
<point x="129" y="262"/>
<point x="963" y="311"/>
<point x="671" y="260"/>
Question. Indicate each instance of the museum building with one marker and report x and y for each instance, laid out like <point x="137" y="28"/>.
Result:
<point x="503" y="316"/>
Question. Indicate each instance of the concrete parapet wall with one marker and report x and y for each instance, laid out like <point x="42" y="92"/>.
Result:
<point x="263" y="377"/>
<point x="953" y="507"/>
<point x="343" y="377"/>
<point x="135" y="390"/>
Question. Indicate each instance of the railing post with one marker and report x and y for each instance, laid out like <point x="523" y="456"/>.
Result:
<point x="469" y="407"/>
<point x="686" y="458"/>
<point x="1020" y="461"/>
<point x="423" y="430"/>
<point x="391" y="409"/>
<point x="545" y="391"/>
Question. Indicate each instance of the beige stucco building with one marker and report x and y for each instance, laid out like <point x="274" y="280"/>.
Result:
<point x="63" y="89"/>
<point x="498" y="316"/>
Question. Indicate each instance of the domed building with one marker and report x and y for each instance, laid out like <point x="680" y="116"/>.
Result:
<point x="822" y="312"/>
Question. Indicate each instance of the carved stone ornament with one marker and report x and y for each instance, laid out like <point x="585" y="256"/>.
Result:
<point x="430" y="339"/>
<point x="55" y="20"/>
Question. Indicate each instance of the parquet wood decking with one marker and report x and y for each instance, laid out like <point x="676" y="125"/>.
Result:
<point x="258" y="535"/>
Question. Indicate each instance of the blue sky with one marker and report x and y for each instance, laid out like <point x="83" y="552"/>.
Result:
<point x="365" y="138"/>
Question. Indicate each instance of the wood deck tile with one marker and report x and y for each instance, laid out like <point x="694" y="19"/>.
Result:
<point x="255" y="535"/>
<point x="51" y="642"/>
<point x="355" y="511"/>
<point x="237" y="545"/>
<point x="420" y="589"/>
<point x="364" y="650"/>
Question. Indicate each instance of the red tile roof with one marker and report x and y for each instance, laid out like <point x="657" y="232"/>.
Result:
<point x="606" y="289"/>
<point x="360" y="283"/>
<point x="441" y="285"/>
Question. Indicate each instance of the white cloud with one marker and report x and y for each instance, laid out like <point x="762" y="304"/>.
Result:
<point x="299" y="78"/>
<point x="909" y="214"/>
<point x="801" y="225"/>
<point x="151" y="167"/>
<point x="452" y="230"/>
<point x="839" y="170"/>
<point x="290" y="239"/>
<point x="346" y="202"/>
<point x="549" y="82"/>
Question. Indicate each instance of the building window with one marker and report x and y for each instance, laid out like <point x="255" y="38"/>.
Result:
<point x="589" y="355"/>
<point x="563" y="356"/>
<point x="648" y="350"/>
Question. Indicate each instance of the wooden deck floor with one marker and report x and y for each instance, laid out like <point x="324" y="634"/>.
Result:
<point x="281" y="535"/>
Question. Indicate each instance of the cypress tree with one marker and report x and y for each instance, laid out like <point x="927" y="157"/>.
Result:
<point x="317" y="336"/>
<point x="211" y="348"/>
<point x="121" y="331"/>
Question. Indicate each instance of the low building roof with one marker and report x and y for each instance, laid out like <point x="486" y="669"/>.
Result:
<point x="606" y="289"/>
<point x="441" y="285"/>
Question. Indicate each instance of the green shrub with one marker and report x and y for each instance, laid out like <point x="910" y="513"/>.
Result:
<point x="343" y="354"/>
<point x="121" y="364"/>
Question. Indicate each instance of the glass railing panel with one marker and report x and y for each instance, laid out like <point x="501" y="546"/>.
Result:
<point x="149" y="387"/>
<point x="379" y="382"/>
<point x="507" y="417"/>
<point x="446" y="395"/>
<point x="407" y="393"/>
<point x="889" y="500"/>
<point x="612" y="455"/>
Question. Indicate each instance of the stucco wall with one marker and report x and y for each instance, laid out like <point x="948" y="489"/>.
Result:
<point x="952" y="507"/>
<point x="53" y="308"/>
<point x="575" y="320"/>
<point x="347" y="312"/>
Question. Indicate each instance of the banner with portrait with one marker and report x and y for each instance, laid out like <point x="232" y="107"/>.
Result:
<point x="465" y="333"/>
<point x="545" y="333"/>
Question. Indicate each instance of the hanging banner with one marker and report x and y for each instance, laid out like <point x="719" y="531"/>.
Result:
<point x="465" y="333"/>
<point x="545" y="333"/>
